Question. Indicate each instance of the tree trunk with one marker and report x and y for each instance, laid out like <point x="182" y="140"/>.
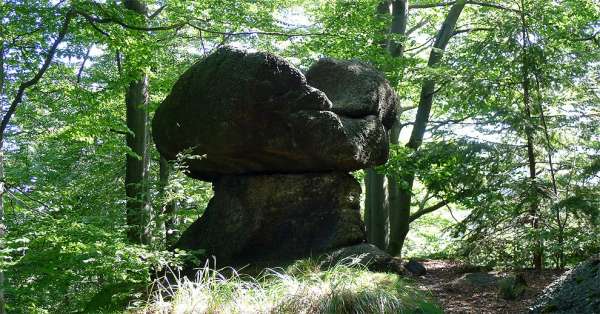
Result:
<point x="529" y="133"/>
<point x="550" y="150"/>
<point x="169" y="209"/>
<point x="376" y="211"/>
<point x="2" y="185"/>
<point x="401" y="223"/>
<point x="136" y="165"/>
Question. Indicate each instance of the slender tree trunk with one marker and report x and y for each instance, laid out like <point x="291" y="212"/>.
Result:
<point x="529" y="133"/>
<point x="2" y="185"/>
<point x="169" y="209"/>
<point x="136" y="165"/>
<point x="376" y="211"/>
<point x="399" y="216"/>
<point x="550" y="150"/>
<point x="398" y="234"/>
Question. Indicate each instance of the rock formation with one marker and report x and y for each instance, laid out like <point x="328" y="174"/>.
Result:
<point x="576" y="291"/>
<point x="278" y="148"/>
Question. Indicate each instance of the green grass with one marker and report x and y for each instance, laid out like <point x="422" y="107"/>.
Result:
<point x="301" y="288"/>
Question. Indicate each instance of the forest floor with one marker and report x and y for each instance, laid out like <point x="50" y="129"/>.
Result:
<point x="444" y="280"/>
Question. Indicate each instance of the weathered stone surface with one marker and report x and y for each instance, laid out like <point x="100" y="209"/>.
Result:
<point x="366" y="255"/>
<point x="277" y="217"/>
<point x="254" y="113"/>
<point x="355" y="88"/>
<point x="577" y="291"/>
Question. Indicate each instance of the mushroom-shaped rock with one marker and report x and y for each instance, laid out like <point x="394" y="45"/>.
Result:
<point x="254" y="113"/>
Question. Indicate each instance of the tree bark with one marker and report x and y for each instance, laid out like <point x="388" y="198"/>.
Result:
<point x="136" y="164"/>
<point x="529" y="133"/>
<point x="2" y="185"/>
<point x="399" y="218"/>
<point x="376" y="211"/>
<point x="169" y="209"/>
<point x="398" y="234"/>
<point x="550" y="150"/>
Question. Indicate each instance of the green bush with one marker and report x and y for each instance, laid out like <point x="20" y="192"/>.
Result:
<point x="70" y="266"/>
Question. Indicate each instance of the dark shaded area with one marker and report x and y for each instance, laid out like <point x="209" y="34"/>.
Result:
<point x="277" y="217"/>
<point x="415" y="268"/>
<point x="577" y="291"/>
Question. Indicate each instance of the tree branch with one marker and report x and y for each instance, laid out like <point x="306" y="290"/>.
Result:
<point x="449" y="3"/>
<point x="416" y="215"/>
<point x="408" y="108"/>
<point x="229" y="34"/>
<point x="87" y="55"/>
<point x="129" y="26"/>
<point x="93" y="20"/>
<point x="157" y="12"/>
<point x="468" y="30"/>
<point x="21" y="90"/>
<point x="421" y="23"/>
<point x="431" y="5"/>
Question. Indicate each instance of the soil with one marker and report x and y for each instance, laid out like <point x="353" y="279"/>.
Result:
<point x="456" y="296"/>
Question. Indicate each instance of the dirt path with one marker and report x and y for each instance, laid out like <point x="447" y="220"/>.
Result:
<point x="459" y="296"/>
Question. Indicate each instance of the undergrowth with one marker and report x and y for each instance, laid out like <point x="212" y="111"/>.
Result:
<point x="301" y="288"/>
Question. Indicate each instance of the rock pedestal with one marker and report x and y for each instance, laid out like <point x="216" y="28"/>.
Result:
<point x="278" y="148"/>
<point x="277" y="217"/>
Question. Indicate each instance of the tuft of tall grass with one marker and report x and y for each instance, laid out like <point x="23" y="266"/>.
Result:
<point x="301" y="288"/>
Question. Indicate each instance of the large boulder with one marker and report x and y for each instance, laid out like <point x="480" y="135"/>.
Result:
<point x="259" y="218"/>
<point x="577" y="291"/>
<point x="254" y="113"/>
<point x="365" y="255"/>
